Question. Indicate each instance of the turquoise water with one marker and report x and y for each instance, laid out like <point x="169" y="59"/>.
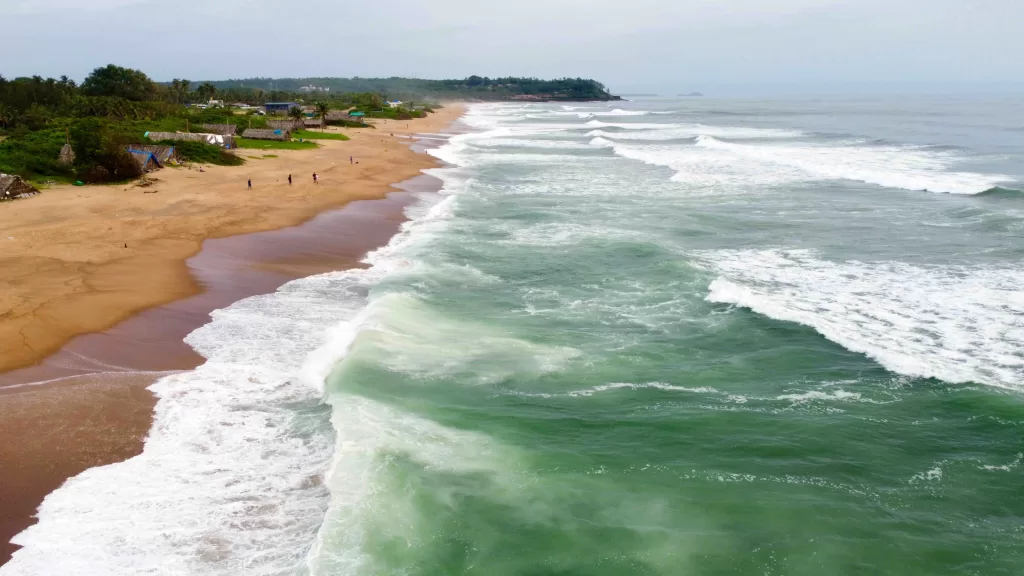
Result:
<point x="667" y="337"/>
<point x="695" y="343"/>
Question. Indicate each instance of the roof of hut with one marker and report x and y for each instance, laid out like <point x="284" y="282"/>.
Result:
<point x="263" y="134"/>
<point x="146" y="160"/>
<point x="317" y="122"/>
<point x="163" y="154"/>
<point x="289" y="124"/>
<point x="12" y="187"/>
<point x="222" y="129"/>
<point x="214" y="139"/>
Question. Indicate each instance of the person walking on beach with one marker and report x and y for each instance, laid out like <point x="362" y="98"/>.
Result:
<point x="250" y="183"/>
<point x="351" y="160"/>
<point x="289" y="179"/>
<point x="316" y="178"/>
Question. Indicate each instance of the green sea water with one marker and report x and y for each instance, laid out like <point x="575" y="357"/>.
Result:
<point x="736" y="340"/>
<point x="665" y="337"/>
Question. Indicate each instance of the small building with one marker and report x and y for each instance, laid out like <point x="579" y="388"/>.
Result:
<point x="279" y="107"/>
<point x="394" y="103"/>
<point x="13" y="187"/>
<point x="263" y="134"/>
<point x="146" y="160"/>
<point x="163" y="154"/>
<point x="313" y="123"/>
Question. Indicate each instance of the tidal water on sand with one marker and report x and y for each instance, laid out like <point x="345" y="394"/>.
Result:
<point x="669" y="337"/>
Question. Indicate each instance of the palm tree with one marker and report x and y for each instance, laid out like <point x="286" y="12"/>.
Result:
<point x="295" y="113"/>
<point x="322" y="110"/>
<point x="6" y="115"/>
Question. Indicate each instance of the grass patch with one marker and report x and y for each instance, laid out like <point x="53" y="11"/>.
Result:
<point x="274" y="144"/>
<point x="269" y="156"/>
<point x="205" y="153"/>
<point x="313" y="135"/>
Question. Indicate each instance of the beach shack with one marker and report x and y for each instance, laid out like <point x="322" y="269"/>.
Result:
<point x="13" y="187"/>
<point x="279" y="107"/>
<point x="146" y="160"/>
<point x="263" y="134"/>
<point x="212" y="139"/>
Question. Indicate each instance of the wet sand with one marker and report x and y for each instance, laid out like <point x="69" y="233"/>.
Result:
<point x="87" y="405"/>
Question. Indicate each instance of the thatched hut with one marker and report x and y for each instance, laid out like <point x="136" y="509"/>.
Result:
<point x="163" y="154"/>
<point x="290" y="125"/>
<point x="313" y="123"/>
<point x="13" y="187"/>
<point x="261" y="134"/>
<point x="67" y="155"/>
<point x="222" y="129"/>
<point x="212" y="139"/>
<point x="146" y="160"/>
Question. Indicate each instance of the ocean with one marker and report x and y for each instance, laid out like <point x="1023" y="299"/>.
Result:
<point x="666" y="336"/>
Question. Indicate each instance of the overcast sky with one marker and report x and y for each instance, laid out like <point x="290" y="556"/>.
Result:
<point x="661" y="46"/>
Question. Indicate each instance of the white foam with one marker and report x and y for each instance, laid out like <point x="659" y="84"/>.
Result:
<point x="230" y="480"/>
<point x="955" y="323"/>
<point x="906" y="167"/>
<point x="646" y="385"/>
<point x="630" y="125"/>
<point x="689" y="131"/>
<point x="817" y="395"/>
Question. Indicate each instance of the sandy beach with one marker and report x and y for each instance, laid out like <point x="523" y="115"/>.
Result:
<point x="87" y="323"/>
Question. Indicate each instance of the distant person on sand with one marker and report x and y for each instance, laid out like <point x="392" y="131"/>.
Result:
<point x="289" y="179"/>
<point x="250" y="183"/>
<point x="351" y="160"/>
<point x="316" y="178"/>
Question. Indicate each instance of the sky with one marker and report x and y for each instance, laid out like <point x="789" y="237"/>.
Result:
<point x="638" y="46"/>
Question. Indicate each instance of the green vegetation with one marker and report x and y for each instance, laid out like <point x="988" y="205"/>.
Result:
<point x="412" y="89"/>
<point x="114" y="107"/>
<point x="34" y="155"/>
<point x="205" y="153"/>
<point x="311" y="135"/>
<point x="274" y="144"/>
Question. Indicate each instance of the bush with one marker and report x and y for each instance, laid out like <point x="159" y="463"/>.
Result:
<point x="100" y="154"/>
<point x="34" y="154"/>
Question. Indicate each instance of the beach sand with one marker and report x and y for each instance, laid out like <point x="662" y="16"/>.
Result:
<point x="87" y="324"/>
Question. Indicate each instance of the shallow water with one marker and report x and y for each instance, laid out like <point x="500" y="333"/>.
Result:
<point x="656" y="337"/>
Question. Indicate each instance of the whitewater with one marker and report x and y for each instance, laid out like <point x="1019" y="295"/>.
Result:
<point x="653" y="337"/>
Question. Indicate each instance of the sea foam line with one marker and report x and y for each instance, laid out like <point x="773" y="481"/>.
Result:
<point x="954" y="323"/>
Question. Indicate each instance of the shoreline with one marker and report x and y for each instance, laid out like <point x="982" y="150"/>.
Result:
<point x="87" y="404"/>
<point x="80" y="260"/>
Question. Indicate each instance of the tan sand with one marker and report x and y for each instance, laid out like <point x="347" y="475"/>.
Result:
<point x="66" y="267"/>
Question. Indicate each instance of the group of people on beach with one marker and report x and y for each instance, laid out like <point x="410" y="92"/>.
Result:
<point x="316" y="177"/>
<point x="316" y="180"/>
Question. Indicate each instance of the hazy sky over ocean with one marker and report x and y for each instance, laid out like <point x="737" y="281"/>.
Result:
<point x="660" y="46"/>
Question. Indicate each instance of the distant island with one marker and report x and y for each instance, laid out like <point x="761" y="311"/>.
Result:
<point x="480" y="88"/>
<point x="692" y="95"/>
